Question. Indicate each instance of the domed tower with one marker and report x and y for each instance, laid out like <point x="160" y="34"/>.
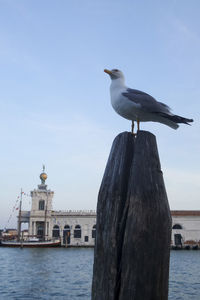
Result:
<point x="40" y="214"/>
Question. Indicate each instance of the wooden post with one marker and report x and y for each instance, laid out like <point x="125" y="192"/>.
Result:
<point x="131" y="260"/>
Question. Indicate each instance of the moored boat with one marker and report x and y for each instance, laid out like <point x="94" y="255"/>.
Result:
<point x="31" y="244"/>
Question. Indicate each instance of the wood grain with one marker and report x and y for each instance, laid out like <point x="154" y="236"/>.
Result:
<point x="131" y="259"/>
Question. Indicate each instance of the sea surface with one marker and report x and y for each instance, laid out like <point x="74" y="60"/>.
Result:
<point x="60" y="273"/>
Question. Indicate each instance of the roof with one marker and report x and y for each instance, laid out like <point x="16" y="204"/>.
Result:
<point x="184" y="213"/>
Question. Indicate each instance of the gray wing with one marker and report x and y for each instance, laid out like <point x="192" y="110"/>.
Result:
<point x="147" y="102"/>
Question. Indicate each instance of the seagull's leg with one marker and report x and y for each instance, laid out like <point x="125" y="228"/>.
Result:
<point x="132" y="127"/>
<point x="138" y="125"/>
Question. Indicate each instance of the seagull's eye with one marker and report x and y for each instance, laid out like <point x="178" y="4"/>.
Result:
<point x="115" y="70"/>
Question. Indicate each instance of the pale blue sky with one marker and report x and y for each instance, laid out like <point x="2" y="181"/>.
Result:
<point x="55" y="102"/>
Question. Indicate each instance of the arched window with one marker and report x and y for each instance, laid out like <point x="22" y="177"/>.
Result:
<point x="56" y="231"/>
<point x="94" y="232"/>
<point x="177" y="226"/>
<point x="41" y="205"/>
<point x="77" y="232"/>
<point x="67" y="227"/>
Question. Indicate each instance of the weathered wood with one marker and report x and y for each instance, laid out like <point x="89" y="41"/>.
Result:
<point x="131" y="260"/>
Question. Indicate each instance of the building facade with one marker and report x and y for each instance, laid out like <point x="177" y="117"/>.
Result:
<point x="78" y="228"/>
<point x="185" y="228"/>
<point x="74" y="228"/>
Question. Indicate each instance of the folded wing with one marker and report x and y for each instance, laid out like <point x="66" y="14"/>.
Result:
<point x="147" y="102"/>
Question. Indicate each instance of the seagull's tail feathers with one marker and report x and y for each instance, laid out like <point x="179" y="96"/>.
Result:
<point x="179" y="119"/>
<point x="173" y="120"/>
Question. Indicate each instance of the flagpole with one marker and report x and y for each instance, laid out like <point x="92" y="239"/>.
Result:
<point x="19" y="217"/>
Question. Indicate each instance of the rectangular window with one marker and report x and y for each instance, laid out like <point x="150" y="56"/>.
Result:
<point x="86" y="238"/>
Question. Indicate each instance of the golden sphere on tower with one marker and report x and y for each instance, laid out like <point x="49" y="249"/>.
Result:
<point x="43" y="176"/>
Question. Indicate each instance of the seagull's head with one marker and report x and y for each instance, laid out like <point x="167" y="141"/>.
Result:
<point x="115" y="74"/>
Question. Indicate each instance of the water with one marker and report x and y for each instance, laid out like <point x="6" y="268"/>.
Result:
<point x="54" y="273"/>
<point x="61" y="273"/>
<point x="184" y="283"/>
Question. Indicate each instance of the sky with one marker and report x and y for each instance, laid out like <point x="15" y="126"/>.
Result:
<point x="54" y="96"/>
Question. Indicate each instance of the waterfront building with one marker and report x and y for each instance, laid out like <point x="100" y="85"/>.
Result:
<point x="185" y="227"/>
<point x="73" y="227"/>
<point x="78" y="228"/>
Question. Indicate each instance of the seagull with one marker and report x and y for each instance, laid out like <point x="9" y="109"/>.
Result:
<point x="138" y="106"/>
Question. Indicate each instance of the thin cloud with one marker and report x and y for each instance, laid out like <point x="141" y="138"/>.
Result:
<point x="183" y="29"/>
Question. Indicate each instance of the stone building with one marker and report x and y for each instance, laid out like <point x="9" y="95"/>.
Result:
<point x="74" y="228"/>
<point x="185" y="227"/>
<point x="78" y="228"/>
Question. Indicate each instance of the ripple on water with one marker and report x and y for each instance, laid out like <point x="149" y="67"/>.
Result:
<point x="56" y="274"/>
<point x="184" y="275"/>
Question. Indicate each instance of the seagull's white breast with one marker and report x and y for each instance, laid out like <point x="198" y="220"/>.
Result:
<point x="121" y="104"/>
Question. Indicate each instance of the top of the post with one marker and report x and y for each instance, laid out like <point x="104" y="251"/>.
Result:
<point x="141" y="135"/>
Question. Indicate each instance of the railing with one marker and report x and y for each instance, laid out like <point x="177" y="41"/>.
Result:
<point x="74" y="212"/>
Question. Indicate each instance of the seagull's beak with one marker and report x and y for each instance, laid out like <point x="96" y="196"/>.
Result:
<point x="108" y="71"/>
